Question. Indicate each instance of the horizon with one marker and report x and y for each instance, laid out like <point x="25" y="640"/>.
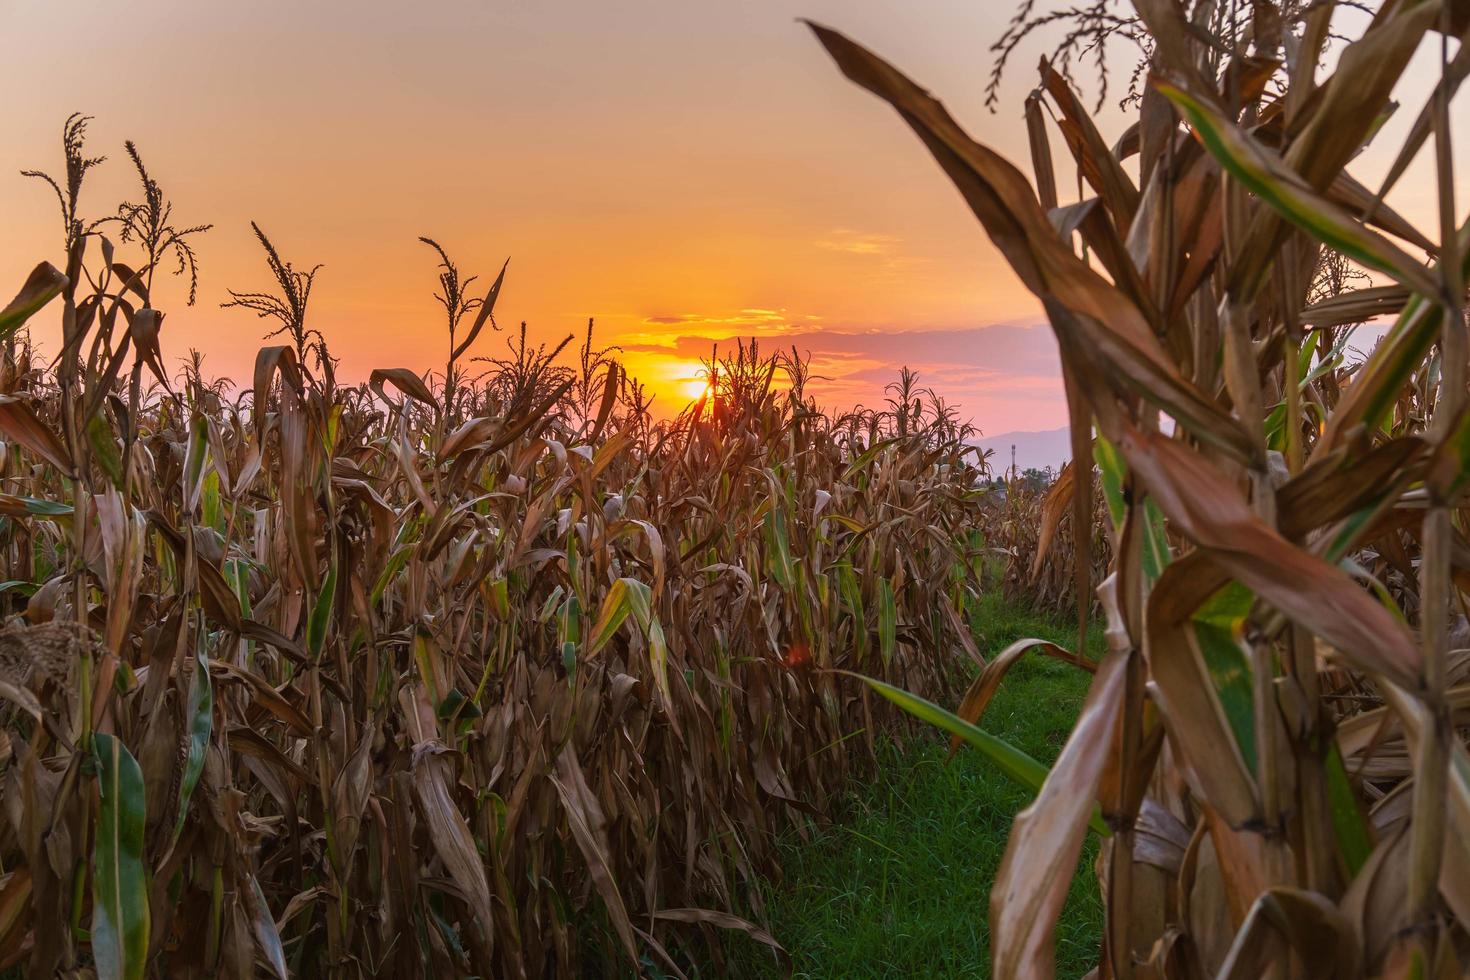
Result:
<point x="761" y="196"/>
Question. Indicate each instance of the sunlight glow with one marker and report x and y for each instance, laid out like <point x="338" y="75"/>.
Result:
<point x="695" y="388"/>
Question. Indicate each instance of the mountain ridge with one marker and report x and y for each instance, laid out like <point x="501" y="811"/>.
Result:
<point x="1037" y="449"/>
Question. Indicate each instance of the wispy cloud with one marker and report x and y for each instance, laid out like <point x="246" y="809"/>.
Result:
<point x="859" y="242"/>
<point x="752" y="320"/>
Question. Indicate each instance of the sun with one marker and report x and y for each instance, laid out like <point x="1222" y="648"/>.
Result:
<point x="696" y="388"/>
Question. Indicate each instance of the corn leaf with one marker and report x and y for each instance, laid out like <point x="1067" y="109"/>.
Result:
<point x="1015" y="763"/>
<point x="119" y="881"/>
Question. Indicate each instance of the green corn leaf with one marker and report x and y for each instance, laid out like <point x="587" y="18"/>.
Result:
<point x="1375" y="390"/>
<point x="1456" y="449"/>
<point x="852" y="595"/>
<point x="1354" y="841"/>
<point x="1216" y="627"/>
<point x="866" y="457"/>
<point x="237" y="574"/>
<point x="1348" y="531"/>
<point x="201" y="720"/>
<point x="801" y="597"/>
<point x="1012" y="761"/>
<point x="1273" y="181"/>
<point x="456" y="705"/>
<point x="1156" y="554"/>
<point x="13" y="506"/>
<point x="196" y="456"/>
<point x="568" y="616"/>
<point x="658" y="660"/>
<point x="887" y="621"/>
<point x="574" y="557"/>
<point x="1114" y="470"/>
<point x="391" y="568"/>
<point x="104" y="448"/>
<point x="119" y="882"/>
<point x="500" y="598"/>
<point x="640" y="601"/>
<point x="334" y="425"/>
<point x="321" y="614"/>
<point x="778" y="548"/>
<point x="552" y="606"/>
<point x="210" y="511"/>
<point x="426" y="657"/>
<point x="616" y="606"/>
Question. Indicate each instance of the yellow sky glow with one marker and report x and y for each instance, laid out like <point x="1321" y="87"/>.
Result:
<point x="685" y="172"/>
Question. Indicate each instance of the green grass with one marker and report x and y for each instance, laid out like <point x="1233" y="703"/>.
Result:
<point x="899" y="886"/>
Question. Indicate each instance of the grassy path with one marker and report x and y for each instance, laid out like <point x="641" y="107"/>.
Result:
<point x="900" y="886"/>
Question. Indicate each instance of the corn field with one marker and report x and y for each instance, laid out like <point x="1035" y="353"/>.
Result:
<point x="491" y="671"/>
<point x="1273" y="749"/>
<point x="478" y="672"/>
<point x="1030" y="538"/>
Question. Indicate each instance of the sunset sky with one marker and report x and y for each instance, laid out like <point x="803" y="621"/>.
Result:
<point x="682" y="171"/>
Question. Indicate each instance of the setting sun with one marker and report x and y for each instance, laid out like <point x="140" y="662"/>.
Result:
<point x="695" y="388"/>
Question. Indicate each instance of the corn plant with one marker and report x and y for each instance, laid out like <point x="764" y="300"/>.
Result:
<point x="406" y="678"/>
<point x="1272" y="749"/>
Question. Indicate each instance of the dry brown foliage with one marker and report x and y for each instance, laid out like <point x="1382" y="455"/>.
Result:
<point x="499" y="678"/>
<point x="1273" y="748"/>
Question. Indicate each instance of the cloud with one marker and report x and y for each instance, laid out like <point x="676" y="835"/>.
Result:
<point x="752" y="319"/>
<point x="859" y="243"/>
<point x="880" y="255"/>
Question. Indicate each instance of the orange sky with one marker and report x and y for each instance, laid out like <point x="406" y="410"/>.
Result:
<point x="682" y="171"/>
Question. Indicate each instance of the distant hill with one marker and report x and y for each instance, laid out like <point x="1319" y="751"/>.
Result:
<point x="1051" y="447"/>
